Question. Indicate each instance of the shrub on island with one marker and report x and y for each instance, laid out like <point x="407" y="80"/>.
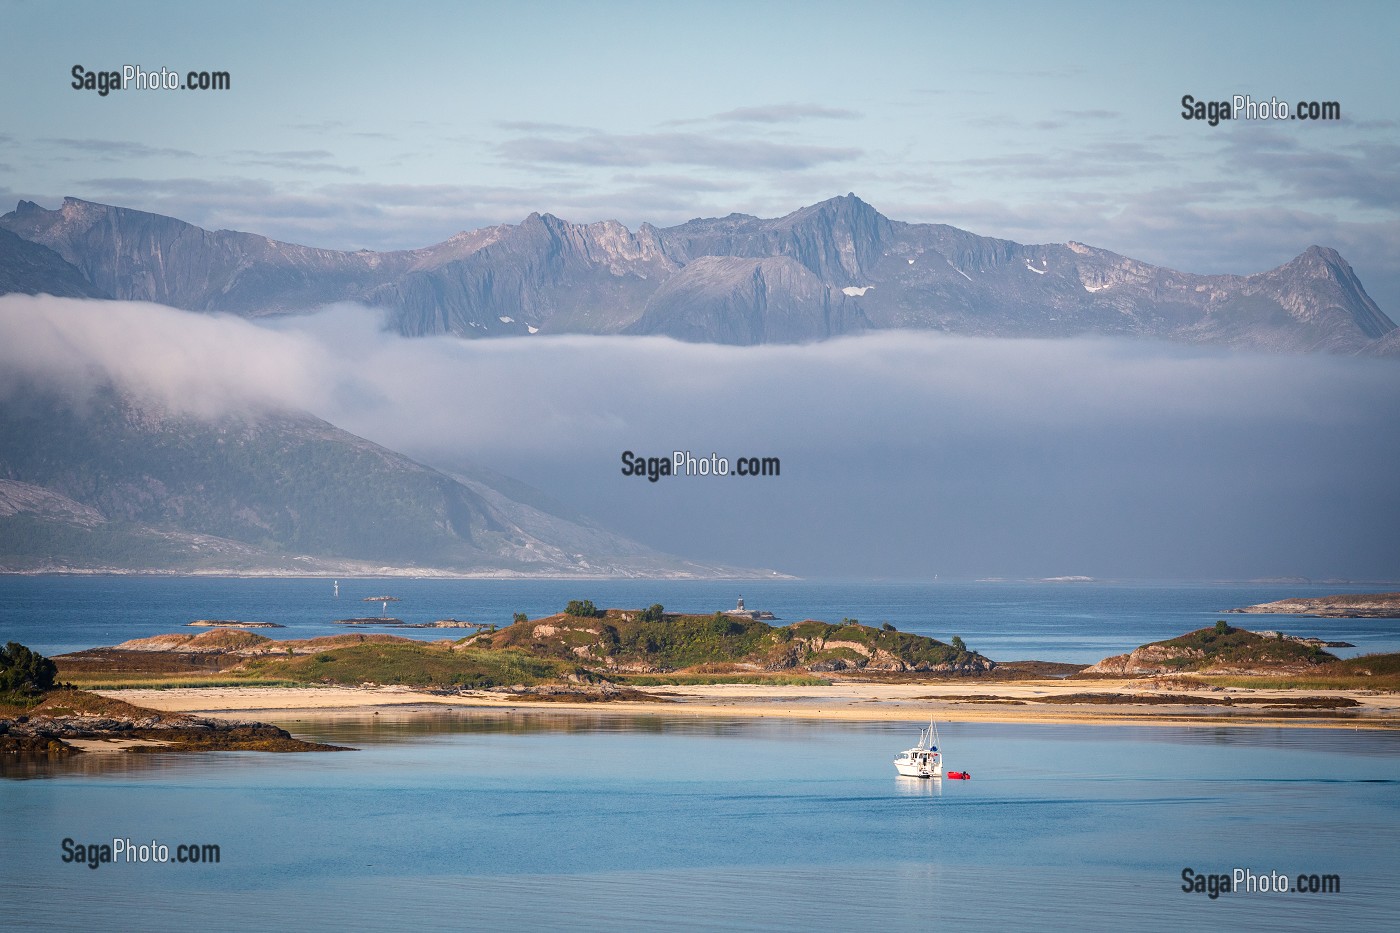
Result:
<point x="25" y="674"/>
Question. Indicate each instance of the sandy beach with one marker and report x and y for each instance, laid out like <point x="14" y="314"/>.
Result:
<point x="1018" y="702"/>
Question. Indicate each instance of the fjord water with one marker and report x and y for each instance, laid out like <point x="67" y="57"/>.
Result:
<point x="532" y="821"/>
<point x="1070" y="622"/>
<point x="503" y="821"/>
<point x="497" y="821"/>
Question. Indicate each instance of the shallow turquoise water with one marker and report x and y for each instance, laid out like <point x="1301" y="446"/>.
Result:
<point x="543" y="821"/>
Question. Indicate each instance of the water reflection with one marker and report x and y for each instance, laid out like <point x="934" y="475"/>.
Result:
<point x="918" y="787"/>
<point x="995" y="749"/>
<point x="390" y="726"/>
<point x="108" y="763"/>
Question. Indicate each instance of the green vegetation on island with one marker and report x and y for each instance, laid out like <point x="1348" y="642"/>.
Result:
<point x="41" y="718"/>
<point x="1218" y="649"/>
<point x="24" y="674"/>
<point x="587" y="647"/>
<point x="1379" y="673"/>
<point x="652" y="641"/>
<point x="1225" y="656"/>
<point x="413" y="664"/>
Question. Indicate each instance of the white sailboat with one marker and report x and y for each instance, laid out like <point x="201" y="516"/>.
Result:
<point x="923" y="760"/>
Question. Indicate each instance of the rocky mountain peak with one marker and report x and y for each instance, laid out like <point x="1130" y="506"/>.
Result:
<point x="550" y="275"/>
<point x="1315" y="258"/>
<point x="1318" y="286"/>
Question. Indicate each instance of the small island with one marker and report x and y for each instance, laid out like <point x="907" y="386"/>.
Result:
<point x="66" y="722"/>
<point x="1221" y="649"/>
<point x="232" y="623"/>
<point x="400" y="623"/>
<point x="1340" y="606"/>
<point x="40" y="717"/>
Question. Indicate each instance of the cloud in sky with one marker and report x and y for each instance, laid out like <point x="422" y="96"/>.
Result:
<point x="667" y="149"/>
<point x="903" y="455"/>
<point x="199" y="364"/>
<point x="536" y="126"/>
<point x="301" y="160"/>
<point x="785" y="113"/>
<point x="114" y="150"/>
<point x="1365" y="174"/>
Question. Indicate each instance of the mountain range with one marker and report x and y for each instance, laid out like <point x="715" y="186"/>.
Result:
<point x="837" y="267"/>
<point x="110" y="483"/>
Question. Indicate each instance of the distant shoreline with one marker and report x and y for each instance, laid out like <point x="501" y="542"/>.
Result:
<point x="1044" y="702"/>
<point x="1339" y="606"/>
<point x="755" y="576"/>
<point x="398" y="574"/>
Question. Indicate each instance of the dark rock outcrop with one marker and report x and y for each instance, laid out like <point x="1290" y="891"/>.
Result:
<point x="28" y="268"/>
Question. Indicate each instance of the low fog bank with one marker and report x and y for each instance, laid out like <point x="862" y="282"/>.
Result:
<point x="903" y="455"/>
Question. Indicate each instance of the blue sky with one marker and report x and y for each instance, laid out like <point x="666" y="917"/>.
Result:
<point x="363" y="125"/>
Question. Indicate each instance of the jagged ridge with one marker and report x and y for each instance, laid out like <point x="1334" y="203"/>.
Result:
<point x="832" y="268"/>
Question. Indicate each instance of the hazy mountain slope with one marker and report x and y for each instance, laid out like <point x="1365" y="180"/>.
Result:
<point x="134" y="255"/>
<point x="110" y="483"/>
<point x="31" y="268"/>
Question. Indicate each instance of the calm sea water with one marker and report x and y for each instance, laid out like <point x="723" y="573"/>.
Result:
<point x="537" y="821"/>
<point x="1077" y="623"/>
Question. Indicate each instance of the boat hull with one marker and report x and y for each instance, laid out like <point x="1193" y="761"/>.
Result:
<point x="919" y="765"/>
<point x="923" y="760"/>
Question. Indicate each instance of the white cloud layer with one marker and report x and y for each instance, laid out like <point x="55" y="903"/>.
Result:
<point x="903" y="454"/>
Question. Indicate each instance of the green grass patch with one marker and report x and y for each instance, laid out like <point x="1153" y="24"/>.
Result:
<point x="1370" y="665"/>
<point x="693" y="680"/>
<point x="1380" y="672"/>
<point x="412" y="665"/>
<point x="1383" y="684"/>
<point x="17" y="704"/>
<point x="138" y="682"/>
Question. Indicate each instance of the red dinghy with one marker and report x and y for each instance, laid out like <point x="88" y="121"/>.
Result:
<point x="959" y="776"/>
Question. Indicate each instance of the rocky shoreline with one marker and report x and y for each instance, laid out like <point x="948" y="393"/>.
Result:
<point x="1341" y="606"/>
<point x="71" y="722"/>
